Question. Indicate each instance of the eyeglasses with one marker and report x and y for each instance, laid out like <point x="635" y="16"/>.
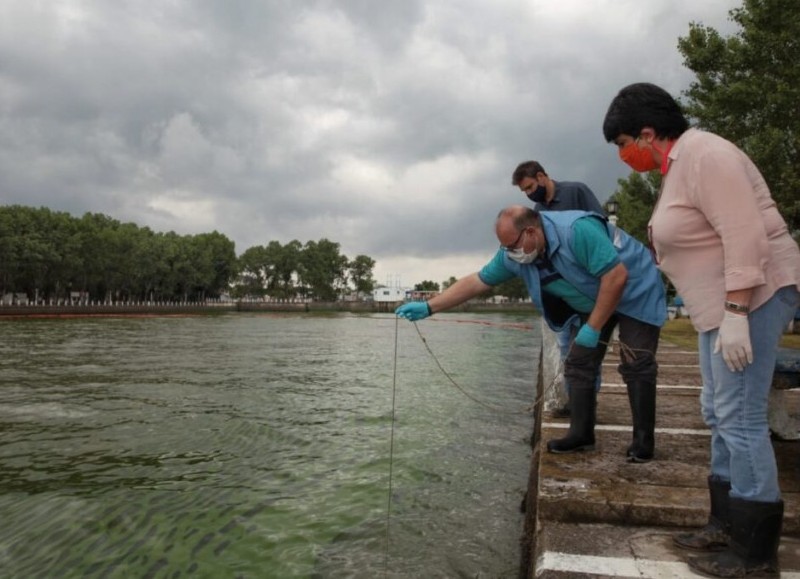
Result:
<point x="513" y="246"/>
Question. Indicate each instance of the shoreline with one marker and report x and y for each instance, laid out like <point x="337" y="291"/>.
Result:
<point x="184" y="309"/>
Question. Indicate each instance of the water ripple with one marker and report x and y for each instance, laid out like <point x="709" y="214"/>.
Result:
<point x="257" y="446"/>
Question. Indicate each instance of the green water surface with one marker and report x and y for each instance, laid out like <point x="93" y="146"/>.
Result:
<point x="247" y="445"/>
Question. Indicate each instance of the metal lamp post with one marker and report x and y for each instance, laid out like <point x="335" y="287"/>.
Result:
<point x="611" y="210"/>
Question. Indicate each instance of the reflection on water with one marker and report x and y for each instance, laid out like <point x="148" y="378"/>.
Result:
<point x="258" y="446"/>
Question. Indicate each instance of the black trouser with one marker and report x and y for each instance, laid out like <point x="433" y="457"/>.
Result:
<point x="638" y="346"/>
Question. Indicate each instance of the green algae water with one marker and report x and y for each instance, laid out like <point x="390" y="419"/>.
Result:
<point x="246" y="445"/>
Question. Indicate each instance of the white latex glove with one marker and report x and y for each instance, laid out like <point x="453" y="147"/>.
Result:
<point x="734" y="340"/>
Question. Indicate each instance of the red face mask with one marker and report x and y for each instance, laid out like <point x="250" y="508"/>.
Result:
<point x="637" y="158"/>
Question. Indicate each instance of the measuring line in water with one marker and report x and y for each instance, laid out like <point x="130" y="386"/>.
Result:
<point x="623" y="348"/>
<point x="454" y="383"/>
<point x="394" y="400"/>
<point x="391" y="451"/>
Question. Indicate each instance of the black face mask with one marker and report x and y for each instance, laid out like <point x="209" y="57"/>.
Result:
<point x="539" y="194"/>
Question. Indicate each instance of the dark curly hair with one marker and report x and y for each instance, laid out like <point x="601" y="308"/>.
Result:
<point x="644" y="105"/>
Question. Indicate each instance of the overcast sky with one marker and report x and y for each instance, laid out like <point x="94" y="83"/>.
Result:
<point x="390" y="127"/>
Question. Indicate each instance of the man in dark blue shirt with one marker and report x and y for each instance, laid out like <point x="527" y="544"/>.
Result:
<point x="549" y="195"/>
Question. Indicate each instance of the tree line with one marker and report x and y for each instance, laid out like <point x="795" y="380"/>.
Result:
<point x="50" y="255"/>
<point x="316" y="270"/>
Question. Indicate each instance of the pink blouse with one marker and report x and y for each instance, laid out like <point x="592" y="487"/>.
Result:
<point x="716" y="228"/>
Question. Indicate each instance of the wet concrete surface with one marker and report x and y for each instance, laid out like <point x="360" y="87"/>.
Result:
<point x="597" y="515"/>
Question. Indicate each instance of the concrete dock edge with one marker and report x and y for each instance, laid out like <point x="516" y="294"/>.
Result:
<point x="593" y="515"/>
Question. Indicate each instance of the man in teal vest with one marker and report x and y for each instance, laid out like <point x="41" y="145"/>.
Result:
<point x="550" y="195"/>
<point x="577" y="265"/>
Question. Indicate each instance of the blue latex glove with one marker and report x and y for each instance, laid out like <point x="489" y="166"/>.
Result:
<point x="587" y="336"/>
<point x="413" y="311"/>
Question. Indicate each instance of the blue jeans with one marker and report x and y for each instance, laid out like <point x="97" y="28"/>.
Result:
<point x="565" y="337"/>
<point x="734" y="404"/>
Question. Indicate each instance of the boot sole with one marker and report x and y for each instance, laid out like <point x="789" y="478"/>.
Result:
<point x="576" y="449"/>
<point x="696" y="564"/>
<point x="715" y="548"/>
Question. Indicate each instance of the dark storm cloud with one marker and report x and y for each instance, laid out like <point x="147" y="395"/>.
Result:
<point x="391" y="128"/>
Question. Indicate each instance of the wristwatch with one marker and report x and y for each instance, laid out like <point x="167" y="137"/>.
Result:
<point x="734" y="307"/>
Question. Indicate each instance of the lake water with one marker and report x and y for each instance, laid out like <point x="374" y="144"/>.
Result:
<point x="258" y="445"/>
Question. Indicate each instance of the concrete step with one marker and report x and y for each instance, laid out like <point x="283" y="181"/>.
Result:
<point x="600" y="486"/>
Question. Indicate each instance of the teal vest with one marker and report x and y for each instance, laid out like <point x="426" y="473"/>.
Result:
<point x="643" y="297"/>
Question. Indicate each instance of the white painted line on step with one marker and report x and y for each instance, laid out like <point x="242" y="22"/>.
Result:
<point x="614" y="365"/>
<point x="658" y="386"/>
<point x="624" y="428"/>
<point x="611" y="566"/>
<point x="621" y="567"/>
<point x="679" y="365"/>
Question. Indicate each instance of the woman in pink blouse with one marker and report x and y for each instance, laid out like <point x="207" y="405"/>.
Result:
<point x="717" y="234"/>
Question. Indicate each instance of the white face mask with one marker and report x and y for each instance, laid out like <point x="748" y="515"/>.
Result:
<point x="520" y="256"/>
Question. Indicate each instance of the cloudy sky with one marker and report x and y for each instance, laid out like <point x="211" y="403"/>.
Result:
<point x="390" y="127"/>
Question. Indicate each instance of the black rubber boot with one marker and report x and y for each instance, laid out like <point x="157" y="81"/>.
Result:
<point x="582" y="402"/>
<point x="642" y="397"/>
<point x="753" y="548"/>
<point x="716" y="534"/>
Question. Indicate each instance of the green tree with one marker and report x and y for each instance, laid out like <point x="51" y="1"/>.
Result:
<point x="215" y="262"/>
<point x="748" y="91"/>
<point x="636" y="197"/>
<point x="100" y="251"/>
<point x="146" y="264"/>
<point x="449" y="282"/>
<point x="254" y="270"/>
<point x="323" y="269"/>
<point x="513" y="289"/>
<point x="286" y="260"/>
<point x="427" y="286"/>
<point x="163" y="283"/>
<point x="38" y="255"/>
<point x="123" y="278"/>
<point x="173" y="282"/>
<point x="9" y="250"/>
<point x="360" y="270"/>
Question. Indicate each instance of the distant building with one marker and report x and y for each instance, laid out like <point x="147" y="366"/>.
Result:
<point x="388" y="294"/>
<point x="420" y="296"/>
<point x="15" y="299"/>
<point x="78" y="298"/>
<point x="497" y="299"/>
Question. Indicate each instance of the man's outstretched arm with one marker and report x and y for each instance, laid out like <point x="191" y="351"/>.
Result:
<point x="464" y="289"/>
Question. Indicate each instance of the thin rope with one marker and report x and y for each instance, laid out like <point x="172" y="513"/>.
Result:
<point x="624" y="348"/>
<point x="391" y="451"/>
<point x="459" y="388"/>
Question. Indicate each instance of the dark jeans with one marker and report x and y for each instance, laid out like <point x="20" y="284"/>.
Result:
<point x="638" y="345"/>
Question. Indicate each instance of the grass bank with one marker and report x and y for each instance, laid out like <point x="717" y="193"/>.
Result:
<point x="681" y="333"/>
